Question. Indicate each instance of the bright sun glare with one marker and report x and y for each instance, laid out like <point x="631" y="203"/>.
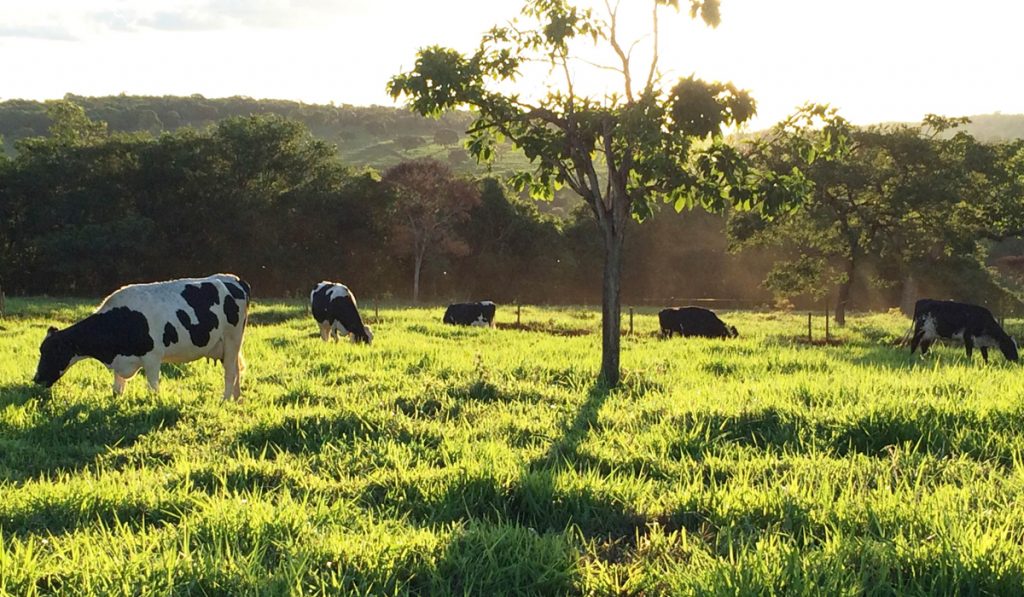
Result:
<point x="876" y="60"/>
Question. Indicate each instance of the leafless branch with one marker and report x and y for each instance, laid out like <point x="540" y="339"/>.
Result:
<point x="614" y="41"/>
<point x="654" y="57"/>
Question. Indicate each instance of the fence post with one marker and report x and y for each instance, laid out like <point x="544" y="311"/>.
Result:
<point x="810" y="338"/>
<point x="826" y="323"/>
<point x="631" y="321"/>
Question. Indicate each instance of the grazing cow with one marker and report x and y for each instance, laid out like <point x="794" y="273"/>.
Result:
<point x="971" y="324"/>
<point x="334" y="308"/>
<point x="477" y="314"/>
<point x="142" y="325"/>
<point x="694" y="321"/>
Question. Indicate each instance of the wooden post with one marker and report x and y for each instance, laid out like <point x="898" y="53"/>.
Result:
<point x="826" y="323"/>
<point x="631" y="321"/>
<point x="809" y="337"/>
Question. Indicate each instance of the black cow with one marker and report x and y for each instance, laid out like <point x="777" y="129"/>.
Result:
<point x="334" y="308"/>
<point x="477" y="314"/>
<point x="143" y="325"/>
<point x="972" y="324"/>
<point x="694" y="321"/>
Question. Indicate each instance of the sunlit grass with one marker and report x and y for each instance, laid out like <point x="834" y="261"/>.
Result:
<point x="478" y="461"/>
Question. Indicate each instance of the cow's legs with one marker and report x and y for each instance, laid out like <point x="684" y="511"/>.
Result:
<point x="325" y="330"/>
<point x="918" y="335"/>
<point x="238" y="378"/>
<point x="969" y="345"/>
<point x="925" y="344"/>
<point x="984" y="353"/>
<point x="152" y="375"/>
<point x="119" y="384"/>
<point x="232" y="376"/>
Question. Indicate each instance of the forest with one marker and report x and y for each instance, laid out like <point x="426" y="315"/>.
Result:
<point x="99" y="192"/>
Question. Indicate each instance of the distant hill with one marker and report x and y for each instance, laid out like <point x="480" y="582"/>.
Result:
<point x="375" y="136"/>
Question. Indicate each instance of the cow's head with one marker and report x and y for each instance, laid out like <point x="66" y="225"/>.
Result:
<point x="1009" y="347"/>
<point x="366" y="336"/>
<point x="733" y="331"/>
<point x="55" y="355"/>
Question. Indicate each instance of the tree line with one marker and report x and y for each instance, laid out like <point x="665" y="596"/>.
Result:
<point x="84" y="209"/>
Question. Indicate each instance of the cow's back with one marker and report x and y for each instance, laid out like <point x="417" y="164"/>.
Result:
<point x="188" y="318"/>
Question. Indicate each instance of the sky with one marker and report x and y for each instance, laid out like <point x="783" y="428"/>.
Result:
<point x="875" y="60"/>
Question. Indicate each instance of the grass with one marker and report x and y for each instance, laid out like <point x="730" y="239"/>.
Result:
<point x="477" y="461"/>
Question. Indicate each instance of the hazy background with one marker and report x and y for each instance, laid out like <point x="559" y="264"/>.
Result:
<point x="877" y="60"/>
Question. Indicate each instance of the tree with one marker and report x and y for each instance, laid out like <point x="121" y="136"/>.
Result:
<point x="620" y="153"/>
<point x="911" y="198"/>
<point x="429" y="201"/>
<point x="70" y="126"/>
<point x="446" y="136"/>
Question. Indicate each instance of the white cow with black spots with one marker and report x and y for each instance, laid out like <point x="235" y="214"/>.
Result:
<point x="334" y="309"/>
<point x="142" y="325"/>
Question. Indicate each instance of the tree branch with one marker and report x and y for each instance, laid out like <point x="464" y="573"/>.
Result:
<point x="614" y="41"/>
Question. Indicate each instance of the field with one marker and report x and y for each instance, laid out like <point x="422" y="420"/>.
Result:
<point x="477" y="461"/>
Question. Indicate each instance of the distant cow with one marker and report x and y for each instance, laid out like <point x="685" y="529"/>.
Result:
<point x="334" y="308"/>
<point x="694" y="321"/>
<point x="971" y="324"/>
<point x="143" y="325"/>
<point x="477" y="314"/>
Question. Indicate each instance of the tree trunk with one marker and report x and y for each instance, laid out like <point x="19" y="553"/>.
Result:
<point x="844" y="294"/>
<point x="909" y="295"/>
<point x="611" y="308"/>
<point x="416" y="278"/>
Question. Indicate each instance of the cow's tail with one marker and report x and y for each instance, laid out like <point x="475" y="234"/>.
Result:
<point x="905" y="338"/>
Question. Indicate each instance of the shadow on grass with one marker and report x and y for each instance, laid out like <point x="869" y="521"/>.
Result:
<point x="306" y="434"/>
<point x="298" y="434"/>
<point x="18" y="394"/>
<point x="888" y="356"/>
<point x="277" y="315"/>
<point x="71" y="440"/>
<point x="69" y="512"/>
<point x="545" y="328"/>
<point x="534" y="501"/>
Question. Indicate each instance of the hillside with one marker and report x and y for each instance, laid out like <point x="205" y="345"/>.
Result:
<point x="374" y="136"/>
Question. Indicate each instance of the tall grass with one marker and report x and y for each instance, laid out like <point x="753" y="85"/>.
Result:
<point x="477" y="461"/>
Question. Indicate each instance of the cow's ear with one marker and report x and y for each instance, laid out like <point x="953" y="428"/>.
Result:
<point x="50" y="331"/>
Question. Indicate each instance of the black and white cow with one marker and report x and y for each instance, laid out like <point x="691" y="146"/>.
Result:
<point x="972" y="324"/>
<point x="142" y="325"/>
<point x="477" y="314"/>
<point x="694" y="321"/>
<point x="334" y="308"/>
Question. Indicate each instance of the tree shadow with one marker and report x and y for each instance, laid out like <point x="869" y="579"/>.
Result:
<point x="310" y="433"/>
<point x="535" y="500"/>
<point x="58" y="514"/>
<point x="277" y="314"/>
<point x="72" y="440"/>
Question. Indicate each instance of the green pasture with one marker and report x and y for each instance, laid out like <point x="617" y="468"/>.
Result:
<point x="446" y="460"/>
